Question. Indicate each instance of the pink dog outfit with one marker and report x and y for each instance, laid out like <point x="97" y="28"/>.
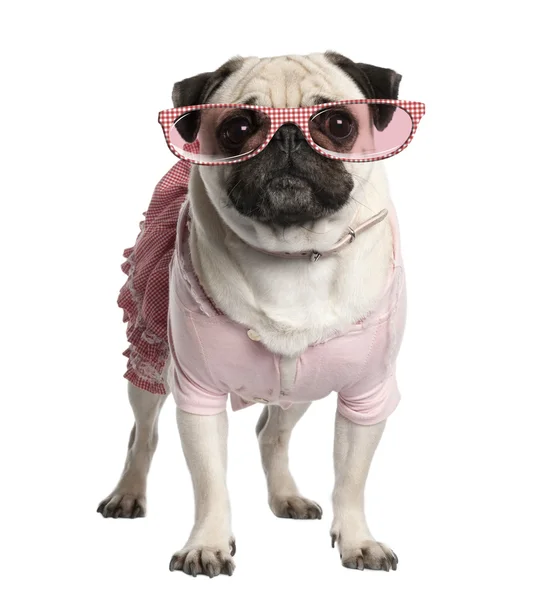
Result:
<point x="214" y="357"/>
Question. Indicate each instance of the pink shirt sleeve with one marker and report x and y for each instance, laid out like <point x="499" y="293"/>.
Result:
<point x="375" y="394"/>
<point x="372" y="406"/>
<point x="191" y="397"/>
<point x="188" y="377"/>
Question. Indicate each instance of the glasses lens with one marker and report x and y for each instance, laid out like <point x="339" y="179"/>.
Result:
<point x="361" y="131"/>
<point x="218" y="134"/>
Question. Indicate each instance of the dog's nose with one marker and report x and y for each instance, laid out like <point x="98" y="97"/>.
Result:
<point x="289" y="138"/>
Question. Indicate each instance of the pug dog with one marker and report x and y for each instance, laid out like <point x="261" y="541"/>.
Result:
<point x="278" y="296"/>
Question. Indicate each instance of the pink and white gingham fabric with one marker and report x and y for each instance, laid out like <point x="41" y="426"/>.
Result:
<point x="144" y="296"/>
<point x="278" y="116"/>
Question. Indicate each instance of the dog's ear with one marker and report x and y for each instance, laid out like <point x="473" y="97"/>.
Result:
<point x="374" y="82"/>
<point x="198" y="90"/>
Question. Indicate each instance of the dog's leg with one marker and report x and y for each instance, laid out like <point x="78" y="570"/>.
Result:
<point x="128" y="498"/>
<point x="211" y="545"/>
<point x="354" y="449"/>
<point x="273" y="432"/>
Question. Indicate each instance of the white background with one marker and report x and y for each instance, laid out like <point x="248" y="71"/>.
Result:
<point x="463" y="483"/>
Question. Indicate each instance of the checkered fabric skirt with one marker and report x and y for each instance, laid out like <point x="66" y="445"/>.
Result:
<point x="144" y="296"/>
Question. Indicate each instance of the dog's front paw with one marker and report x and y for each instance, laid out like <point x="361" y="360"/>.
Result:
<point x="365" y="554"/>
<point x="123" y="506"/>
<point x="369" y="555"/>
<point x="295" y="507"/>
<point x="204" y="560"/>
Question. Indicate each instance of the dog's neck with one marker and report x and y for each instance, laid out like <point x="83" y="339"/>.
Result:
<point x="315" y="255"/>
<point x="291" y="303"/>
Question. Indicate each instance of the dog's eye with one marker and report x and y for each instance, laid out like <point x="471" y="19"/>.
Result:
<point x="339" y="125"/>
<point x="235" y="131"/>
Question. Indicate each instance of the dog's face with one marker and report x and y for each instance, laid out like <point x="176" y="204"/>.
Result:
<point x="287" y="184"/>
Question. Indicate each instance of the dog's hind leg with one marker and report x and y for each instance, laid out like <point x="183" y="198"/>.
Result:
<point x="273" y="430"/>
<point x="128" y="498"/>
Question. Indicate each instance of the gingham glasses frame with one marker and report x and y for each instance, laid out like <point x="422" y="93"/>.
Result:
<point x="299" y="116"/>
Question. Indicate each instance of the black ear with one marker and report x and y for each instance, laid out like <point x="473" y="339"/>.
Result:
<point x="374" y="82"/>
<point x="198" y="90"/>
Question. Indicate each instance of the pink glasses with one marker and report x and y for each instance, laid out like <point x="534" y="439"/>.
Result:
<point x="348" y="130"/>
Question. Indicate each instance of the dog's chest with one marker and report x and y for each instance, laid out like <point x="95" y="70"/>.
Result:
<point x="281" y="314"/>
<point x="302" y="303"/>
<point x="294" y="315"/>
<point x="294" y="304"/>
<point x="286" y="366"/>
<point x="296" y="340"/>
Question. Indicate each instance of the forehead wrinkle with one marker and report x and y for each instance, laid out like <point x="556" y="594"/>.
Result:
<point x="252" y="89"/>
<point x="290" y="81"/>
<point x="294" y="95"/>
<point x="335" y="77"/>
<point x="327" y="88"/>
<point x="245" y="80"/>
<point x="320" y="91"/>
<point x="298" y="60"/>
<point x="319" y="73"/>
<point x="286" y="82"/>
<point x="304" y="77"/>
